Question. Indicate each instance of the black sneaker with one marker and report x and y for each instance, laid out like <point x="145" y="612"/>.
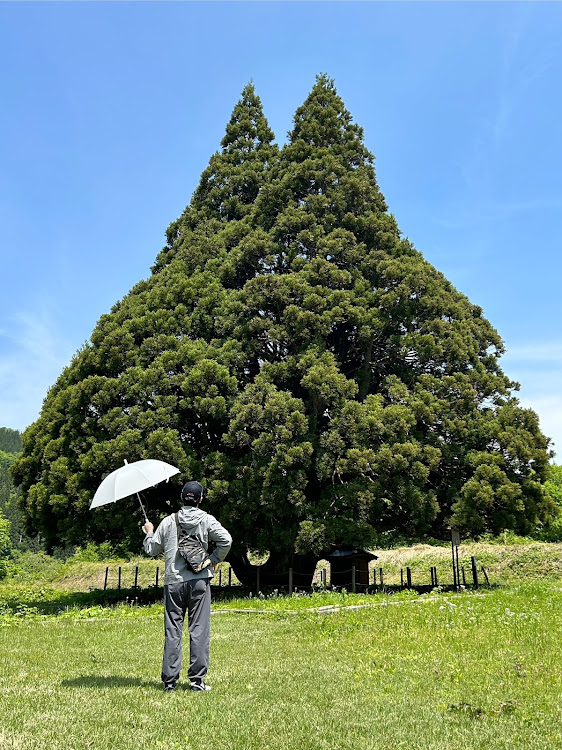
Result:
<point x="170" y="687"/>
<point x="200" y="687"/>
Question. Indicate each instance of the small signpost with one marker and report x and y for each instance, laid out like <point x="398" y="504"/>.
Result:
<point x="455" y="544"/>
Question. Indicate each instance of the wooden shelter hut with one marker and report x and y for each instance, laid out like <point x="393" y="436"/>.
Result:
<point x="342" y="562"/>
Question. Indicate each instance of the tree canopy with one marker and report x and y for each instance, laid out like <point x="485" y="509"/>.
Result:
<point x="553" y="485"/>
<point x="10" y="440"/>
<point x="5" y="546"/>
<point x="9" y="504"/>
<point x="300" y="356"/>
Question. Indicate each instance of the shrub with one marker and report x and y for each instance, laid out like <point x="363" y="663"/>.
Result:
<point x="33" y="566"/>
<point x="97" y="552"/>
<point x="553" y="533"/>
<point x="5" y="545"/>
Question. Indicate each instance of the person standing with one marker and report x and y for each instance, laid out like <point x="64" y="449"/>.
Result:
<point x="184" y="590"/>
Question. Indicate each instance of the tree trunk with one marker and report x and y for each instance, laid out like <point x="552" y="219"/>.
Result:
<point x="274" y="573"/>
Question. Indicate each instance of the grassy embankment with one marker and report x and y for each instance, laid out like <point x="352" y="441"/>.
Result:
<point x="505" y="564"/>
<point x="48" y="586"/>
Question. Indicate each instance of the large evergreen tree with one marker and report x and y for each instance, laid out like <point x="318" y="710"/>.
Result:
<point x="299" y="355"/>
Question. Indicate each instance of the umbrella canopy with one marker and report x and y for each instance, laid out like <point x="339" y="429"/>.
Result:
<point x="132" y="478"/>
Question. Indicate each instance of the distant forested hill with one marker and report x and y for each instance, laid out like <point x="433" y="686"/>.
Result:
<point x="10" y="440"/>
<point x="10" y="449"/>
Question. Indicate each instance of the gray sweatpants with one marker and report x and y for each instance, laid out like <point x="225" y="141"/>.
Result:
<point x="193" y="597"/>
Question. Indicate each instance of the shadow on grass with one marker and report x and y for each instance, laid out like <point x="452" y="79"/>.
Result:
<point x="63" y="600"/>
<point x="105" y="681"/>
<point x="20" y="603"/>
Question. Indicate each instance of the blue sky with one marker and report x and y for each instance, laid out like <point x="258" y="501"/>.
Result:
<point x="110" y="112"/>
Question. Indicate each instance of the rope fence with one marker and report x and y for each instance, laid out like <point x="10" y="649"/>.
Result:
<point x="365" y="580"/>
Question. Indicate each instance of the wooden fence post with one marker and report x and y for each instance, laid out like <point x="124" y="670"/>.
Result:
<point x="229" y="576"/>
<point x="119" y="580"/>
<point x="136" y="577"/>
<point x="456" y="581"/>
<point x="374" y="576"/>
<point x="409" y="577"/>
<point x="105" y="580"/>
<point x="401" y="578"/>
<point x="485" y="575"/>
<point x="381" y="579"/>
<point x="290" y="581"/>
<point x="157" y="575"/>
<point x="474" y="572"/>
<point x="463" y="576"/>
<point x="220" y="578"/>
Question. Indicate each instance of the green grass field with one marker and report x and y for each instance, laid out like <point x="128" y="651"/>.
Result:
<point x="469" y="670"/>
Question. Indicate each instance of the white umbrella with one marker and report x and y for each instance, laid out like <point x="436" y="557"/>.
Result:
<point x="130" y="479"/>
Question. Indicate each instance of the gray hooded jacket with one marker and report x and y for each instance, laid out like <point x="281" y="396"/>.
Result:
<point x="198" y="523"/>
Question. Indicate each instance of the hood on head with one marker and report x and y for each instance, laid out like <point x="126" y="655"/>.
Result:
<point x="189" y="516"/>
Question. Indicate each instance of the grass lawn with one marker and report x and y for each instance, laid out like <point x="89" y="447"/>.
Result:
<point x="454" y="671"/>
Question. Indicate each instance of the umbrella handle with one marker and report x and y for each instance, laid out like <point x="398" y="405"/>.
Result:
<point x="142" y="508"/>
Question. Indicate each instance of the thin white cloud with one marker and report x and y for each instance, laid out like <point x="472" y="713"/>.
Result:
<point x="521" y="65"/>
<point x="32" y="355"/>
<point x="541" y="352"/>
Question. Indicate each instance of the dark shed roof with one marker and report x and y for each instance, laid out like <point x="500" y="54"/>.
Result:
<point x="342" y="554"/>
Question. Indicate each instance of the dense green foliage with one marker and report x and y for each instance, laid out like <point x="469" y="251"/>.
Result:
<point x="553" y="485"/>
<point x="9" y="506"/>
<point x="10" y="440"/>
<point x="5" y="544"/>
<point x="297" y="353"/>
<point x="7" y="491"/>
